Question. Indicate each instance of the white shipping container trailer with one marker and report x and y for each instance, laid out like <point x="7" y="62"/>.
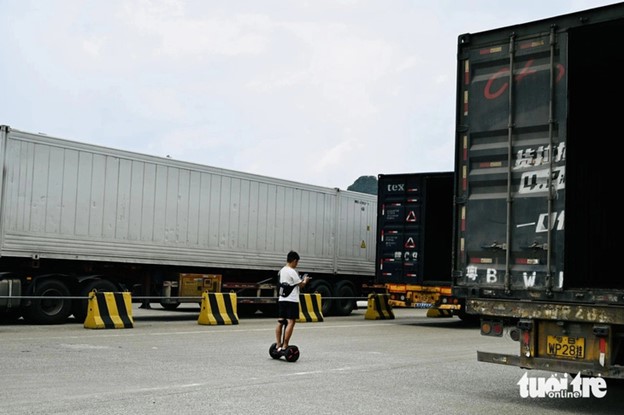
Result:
<point x="75" y="217"/>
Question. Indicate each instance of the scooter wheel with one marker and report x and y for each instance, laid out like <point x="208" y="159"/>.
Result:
<point x="273" y="351"/>
<point x="292" y="353"/>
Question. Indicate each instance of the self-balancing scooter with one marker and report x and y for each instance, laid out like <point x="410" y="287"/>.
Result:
<point x="291" y="353"/>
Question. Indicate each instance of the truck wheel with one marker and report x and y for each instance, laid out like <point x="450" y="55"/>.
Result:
<point x="268" y="310"/>
<point x="80" y="307"/>
<point x="169" y="306"/>
<point x="10" y="316"/>
<point x="323" y="288"/>
<point x="344" y="307"/>
<point x="49" y="311"/>
<point x="246" y="310"/>
<point x="471" y="319"/>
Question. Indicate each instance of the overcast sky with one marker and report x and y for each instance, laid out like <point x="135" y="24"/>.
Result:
<point x="317" y="91"/>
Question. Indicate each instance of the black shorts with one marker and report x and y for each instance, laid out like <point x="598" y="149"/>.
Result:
<point x="288" y="310"/>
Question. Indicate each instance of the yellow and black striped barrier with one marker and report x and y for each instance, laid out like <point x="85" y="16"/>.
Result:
<point x="379" y="307"/>
<point x="310" y="309"/>
<point x="109" y="310"/>
<point x="435" y="312"/>
<point x="218" y="309"/>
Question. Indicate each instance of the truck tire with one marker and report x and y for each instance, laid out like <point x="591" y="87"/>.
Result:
<point x="322" y="287"/>
<point x="246" y="310"/>
<point x="49" y="311"/>
<point x="470" y="319"/>
<point x="169" y="306"/>
<point x="80" y="307"/>
<point x="10" y="316"/>
<point x="344" y="307"/>
<point x="269" y="310"/>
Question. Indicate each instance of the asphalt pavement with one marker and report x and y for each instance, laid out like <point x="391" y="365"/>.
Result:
<point x="168" y="363"/>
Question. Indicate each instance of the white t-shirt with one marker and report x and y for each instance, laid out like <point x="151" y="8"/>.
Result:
<point x="291" y="277"/>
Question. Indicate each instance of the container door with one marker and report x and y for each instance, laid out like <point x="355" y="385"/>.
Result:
<point x="400" y="237"/>
<point x="511" y="159"/>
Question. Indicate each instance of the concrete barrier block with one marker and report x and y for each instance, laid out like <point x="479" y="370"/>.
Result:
<point x="310" y="309"/>
<point x="379" y="307"/>
<point x="218" y="309"/>
<point x="109" y="310"/>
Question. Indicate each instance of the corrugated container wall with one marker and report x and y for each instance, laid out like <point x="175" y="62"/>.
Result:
<point x="69" y="200"/>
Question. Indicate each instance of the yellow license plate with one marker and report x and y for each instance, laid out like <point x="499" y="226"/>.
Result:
<point x="566" y="347"/>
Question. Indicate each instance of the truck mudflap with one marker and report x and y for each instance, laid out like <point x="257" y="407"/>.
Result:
<point x="553" y="365"/>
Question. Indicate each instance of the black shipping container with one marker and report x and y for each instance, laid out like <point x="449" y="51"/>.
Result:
<point x="414" y="228"/>
<point x="536" y="214"/>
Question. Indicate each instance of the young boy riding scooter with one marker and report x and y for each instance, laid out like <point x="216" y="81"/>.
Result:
<point x="288" y="302"/>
